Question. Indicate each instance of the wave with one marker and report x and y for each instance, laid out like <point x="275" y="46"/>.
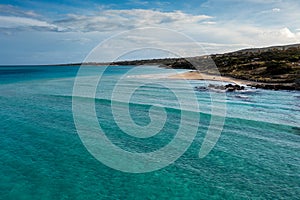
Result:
<point x="176" y="110"/>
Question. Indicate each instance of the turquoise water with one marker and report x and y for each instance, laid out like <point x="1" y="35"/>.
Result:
<point x="42" y="156"/>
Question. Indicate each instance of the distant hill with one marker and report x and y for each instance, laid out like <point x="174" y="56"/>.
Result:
<point x="279" y="64"/>
<point x="264" y="49"/>
<point x="276" y="64"/>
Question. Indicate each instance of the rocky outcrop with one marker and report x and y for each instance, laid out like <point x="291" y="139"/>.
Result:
<point x="232" y="88"/>
<point x="277" y="86"/>
<point x="225" y="88"/>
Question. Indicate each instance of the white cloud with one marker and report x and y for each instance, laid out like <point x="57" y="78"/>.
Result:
<point x="270" y="11"/>
<point x="110" y="20"/>
<point x="80" y="40"/>
<point x="21" y="22"/>
<point x="210" y="22"/>
<point x="200" y="27"/>
<point x="14" y="11"/>
<point x="287" y="33"/>
<point x="276" y="9"/>
<point x="213" y="33"/>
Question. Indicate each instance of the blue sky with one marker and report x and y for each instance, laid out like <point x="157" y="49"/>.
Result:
<point x="64" y="31"/>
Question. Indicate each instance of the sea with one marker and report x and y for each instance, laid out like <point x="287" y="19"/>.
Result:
<point x="47" y="154"/>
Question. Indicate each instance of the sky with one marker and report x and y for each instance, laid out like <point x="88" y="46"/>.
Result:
<point x="66" y="31"/>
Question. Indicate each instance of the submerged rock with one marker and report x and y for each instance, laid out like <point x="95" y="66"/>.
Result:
<point x="201" y="88"/>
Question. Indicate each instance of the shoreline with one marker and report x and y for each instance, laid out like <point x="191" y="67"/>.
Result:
<point x="195" y="75"/>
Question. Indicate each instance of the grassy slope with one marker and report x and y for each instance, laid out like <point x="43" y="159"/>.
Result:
<point x="271" y="65"/>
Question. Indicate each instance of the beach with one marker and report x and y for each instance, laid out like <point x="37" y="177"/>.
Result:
<point x="195" y="75"/>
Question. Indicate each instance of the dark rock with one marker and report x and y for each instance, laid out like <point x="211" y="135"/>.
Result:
<point x="227" y="88"/>
<point x="277" y="86"/>
<point x="232" y="88"/>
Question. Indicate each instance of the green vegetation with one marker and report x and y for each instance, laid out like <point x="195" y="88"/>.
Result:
<point x="269" y="65"/>
<point x="274" y="65"/>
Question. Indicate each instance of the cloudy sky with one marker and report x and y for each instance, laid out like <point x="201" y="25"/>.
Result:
<point x="64" y="31"/>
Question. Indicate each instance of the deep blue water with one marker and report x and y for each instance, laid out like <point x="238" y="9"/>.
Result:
<point x="43" y="157"/>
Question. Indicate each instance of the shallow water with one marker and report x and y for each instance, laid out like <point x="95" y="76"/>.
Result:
<point x="42" y="156"/>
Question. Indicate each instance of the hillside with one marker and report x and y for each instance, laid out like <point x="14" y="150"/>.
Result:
<point x="277" y="65"/>
<point x="269" y="65"/>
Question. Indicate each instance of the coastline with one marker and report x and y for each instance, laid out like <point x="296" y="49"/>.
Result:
<point x="195" y="75"/>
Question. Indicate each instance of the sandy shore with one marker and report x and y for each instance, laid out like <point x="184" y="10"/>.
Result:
<point x="194" y="75"/>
